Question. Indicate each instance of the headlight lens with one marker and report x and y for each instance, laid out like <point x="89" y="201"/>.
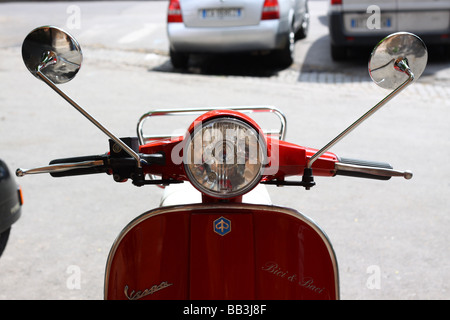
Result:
<point x="224" y="157"/>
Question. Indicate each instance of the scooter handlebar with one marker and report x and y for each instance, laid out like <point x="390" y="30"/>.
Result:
<point x="69" y="167"/>
<point x="368" y="169"/>
<point x="76" y="166"/>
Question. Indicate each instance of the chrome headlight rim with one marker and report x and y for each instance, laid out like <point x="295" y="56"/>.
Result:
<point x="262" y="156"/>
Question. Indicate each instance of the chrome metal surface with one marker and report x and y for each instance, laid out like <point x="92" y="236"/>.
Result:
<point x="399" y="70"/>
<point x="54" y="56"/>
<point x="53" y="51"/>
<point x="375" y="171"/>
<point x="126" y="148"/>
<point x="360" y="120"/>
<point x="198" y="111"/>
<point x="387" y="56"/>
<point x="59" y="167"/>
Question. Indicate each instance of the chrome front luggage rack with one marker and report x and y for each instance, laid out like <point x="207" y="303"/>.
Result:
<point x="143" y="138"/>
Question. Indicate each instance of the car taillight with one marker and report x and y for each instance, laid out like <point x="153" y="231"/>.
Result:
<point x="270" y="10"/>
<point x="20" y="195"/>
<point x="336" y="2"/>
<point x="174" y="12"/>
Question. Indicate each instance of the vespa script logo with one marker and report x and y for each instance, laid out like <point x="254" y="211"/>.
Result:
<point x="222" y="226"/>
<point x="135" y="295"/>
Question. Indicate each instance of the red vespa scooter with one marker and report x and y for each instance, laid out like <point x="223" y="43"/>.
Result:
<point x="216" y="234"/>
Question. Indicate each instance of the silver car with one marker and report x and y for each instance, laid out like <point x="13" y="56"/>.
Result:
<point x="354" y="23"/>
<point x="225" y="26"/>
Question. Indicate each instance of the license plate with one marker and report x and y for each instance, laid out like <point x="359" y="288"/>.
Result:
<point x="221" y="13"/>
<point x="367" y="22"/>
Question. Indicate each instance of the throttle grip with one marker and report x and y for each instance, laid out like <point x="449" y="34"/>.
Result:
<point x="368" y="169"/>
<point x="98" y="165"/>
<point x="366" y="163"/>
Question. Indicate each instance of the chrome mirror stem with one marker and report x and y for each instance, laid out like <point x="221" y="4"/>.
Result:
<point x="125" y="147"/>
<point x="395" y="56"/>
<point x="402" y="66"/>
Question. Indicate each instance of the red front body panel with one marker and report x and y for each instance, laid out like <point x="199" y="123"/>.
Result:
<point x="222" y="251"/>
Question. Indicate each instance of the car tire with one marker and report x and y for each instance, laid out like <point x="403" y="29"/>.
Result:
<point x="179" y="60"/>
<point x="338" y="53"/>
<point x="285" y="56"/>
<point x="302" y="33"/>
<point x="4" y="239"/>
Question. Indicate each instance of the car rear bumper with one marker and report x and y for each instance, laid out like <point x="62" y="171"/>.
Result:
<point x="267" y="35"/>
<point x="339" y="37"/>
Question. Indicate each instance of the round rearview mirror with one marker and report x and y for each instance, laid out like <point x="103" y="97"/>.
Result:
<point x="400" y="46"/>
<point x="53" y="52"/>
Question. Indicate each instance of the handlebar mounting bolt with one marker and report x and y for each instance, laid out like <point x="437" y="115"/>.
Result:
<point x="117" y="148"/>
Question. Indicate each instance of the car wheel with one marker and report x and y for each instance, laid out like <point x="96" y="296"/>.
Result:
<point x="4" y="239"/>
<point x="285" y="56"/>
<point x="338" y="53"/>
<point x="179" y="60"/>
<point x="302" y="33"/>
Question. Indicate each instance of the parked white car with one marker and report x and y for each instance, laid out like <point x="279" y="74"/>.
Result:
<point x="225" y="26"/>
<point x="355" y="23"/>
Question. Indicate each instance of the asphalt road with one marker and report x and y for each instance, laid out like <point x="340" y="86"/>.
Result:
<point x="396" y="231"/>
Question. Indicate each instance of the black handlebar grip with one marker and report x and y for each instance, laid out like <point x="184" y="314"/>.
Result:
<point x="364" y="163"/>
<point x="79" y="171"/>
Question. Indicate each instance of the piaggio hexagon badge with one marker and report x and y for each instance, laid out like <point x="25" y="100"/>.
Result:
<point x="222" y="226"/>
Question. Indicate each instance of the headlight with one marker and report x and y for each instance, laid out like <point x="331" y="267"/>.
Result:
<point x="224" y="157"/>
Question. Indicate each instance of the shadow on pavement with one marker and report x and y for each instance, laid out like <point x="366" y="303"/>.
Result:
<point x="243" y="64"/>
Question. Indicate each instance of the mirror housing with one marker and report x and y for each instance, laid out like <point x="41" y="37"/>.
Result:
<point x="397" y="52"/>
<point x="53" y="52"/>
